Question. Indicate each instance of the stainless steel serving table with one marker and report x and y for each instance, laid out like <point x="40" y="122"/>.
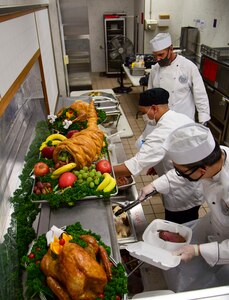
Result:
<point x="92" y="214"/>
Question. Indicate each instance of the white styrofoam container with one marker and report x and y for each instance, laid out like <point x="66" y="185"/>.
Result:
<point x="155" y="251"/>
<point x="151" y="234"/>
<point x="160" y="258"/>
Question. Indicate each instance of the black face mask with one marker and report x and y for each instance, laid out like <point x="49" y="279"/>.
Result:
<point x="191" y="179"/>
<point x="187" y="176"/>
<point x="165" y="61"/>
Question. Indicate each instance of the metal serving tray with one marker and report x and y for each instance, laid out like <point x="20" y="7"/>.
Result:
<point x="128" y="185"/>
<point x="112" y="119"/>
<point x="99" y="93"/>
<point x="132" y="238"/>
<point x="85" y="198"/>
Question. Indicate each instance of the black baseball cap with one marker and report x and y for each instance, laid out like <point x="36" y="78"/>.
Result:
<point x="155" y="96"/>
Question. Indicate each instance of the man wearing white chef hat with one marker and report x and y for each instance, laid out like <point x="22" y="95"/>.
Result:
<point x="180" y="77"/>
<point x="161" y="41"/>
<point x="181" y="205"/>
<point x="197" y="156"/>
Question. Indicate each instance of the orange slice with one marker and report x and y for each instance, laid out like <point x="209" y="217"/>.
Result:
<point x="66" y="237"/>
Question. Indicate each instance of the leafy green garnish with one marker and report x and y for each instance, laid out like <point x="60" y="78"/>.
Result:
<point x="68" y="196"/>
<point x="20" y="232"/>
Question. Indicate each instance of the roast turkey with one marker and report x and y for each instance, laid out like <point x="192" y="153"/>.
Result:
<point x="75" y="274"/>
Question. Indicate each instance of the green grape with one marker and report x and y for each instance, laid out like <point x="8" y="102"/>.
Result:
<point x="76" y="172"/>
<point x="89" y="179"/>
<point x="98" y="173"/>
<point x="96" y="181"/>
<point x="92" y="185"/>
<point x="81" y="171"/>
<point x="80" y="181"/>
<point x="85" y="168"/>
<point x="85" y="175"/>
<point x="92" y="166"/>
<point x="92" y="174"/>
<point x="80" y="176"/>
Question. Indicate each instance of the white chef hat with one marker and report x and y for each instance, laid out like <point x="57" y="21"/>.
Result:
<point x="160" y="41"/>
<point x="189" y="143"/>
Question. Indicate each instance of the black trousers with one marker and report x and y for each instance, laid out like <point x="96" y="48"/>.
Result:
<point x="182" y="216"/>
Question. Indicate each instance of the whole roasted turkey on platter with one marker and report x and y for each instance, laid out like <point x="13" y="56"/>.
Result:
<point x="84" y="146"/>
<point x="76" y="274"/>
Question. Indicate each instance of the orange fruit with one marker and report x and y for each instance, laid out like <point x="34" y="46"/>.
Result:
<point x="55" y="247"/>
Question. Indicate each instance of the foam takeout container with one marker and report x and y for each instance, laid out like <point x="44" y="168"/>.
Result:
<point x="155" y="251"/>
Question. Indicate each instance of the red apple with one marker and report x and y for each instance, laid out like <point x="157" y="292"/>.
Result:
<point x="71" y="132"/>
<point x="103" y="166"/>
<point x="47" y="152"/>
<point x="40" y="169"/>
<point x="66" y="179"/>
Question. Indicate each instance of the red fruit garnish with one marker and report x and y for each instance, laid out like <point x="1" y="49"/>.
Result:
<point x="62" y="242"/>
<point x="31" y="255"/>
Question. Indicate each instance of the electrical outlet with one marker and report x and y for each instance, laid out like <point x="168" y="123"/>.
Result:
<point x="197" y="22"/>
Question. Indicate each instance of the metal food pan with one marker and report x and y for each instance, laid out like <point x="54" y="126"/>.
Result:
<point x="137" y="71"/>
<point x="99" y="93"/>
<point x="131" y="181"/>
<point x="132" y="237"/>
<point x="111" y="119"/>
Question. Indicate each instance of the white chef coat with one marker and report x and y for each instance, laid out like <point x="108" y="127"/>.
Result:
<point x="151" y="154"/>
<point x="185" y="86"/>
<point x="216" y="223"/>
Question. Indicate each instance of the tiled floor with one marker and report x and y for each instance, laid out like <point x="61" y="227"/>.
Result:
<point x="153" y="208"/>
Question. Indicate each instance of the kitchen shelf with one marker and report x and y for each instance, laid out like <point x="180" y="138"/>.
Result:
<point x="76" y="37"/>
<point x="113" y="25"/>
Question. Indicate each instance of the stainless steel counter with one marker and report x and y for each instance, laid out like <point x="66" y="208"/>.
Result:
<point x="95" y="215"/>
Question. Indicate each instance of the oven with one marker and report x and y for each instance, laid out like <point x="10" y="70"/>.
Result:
<point x="219" y="106"/>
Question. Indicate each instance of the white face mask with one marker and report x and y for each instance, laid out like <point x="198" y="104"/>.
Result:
<point x="148" y="120"/>
<point x="145" y="118"/>
<point x="152" y="122"/>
